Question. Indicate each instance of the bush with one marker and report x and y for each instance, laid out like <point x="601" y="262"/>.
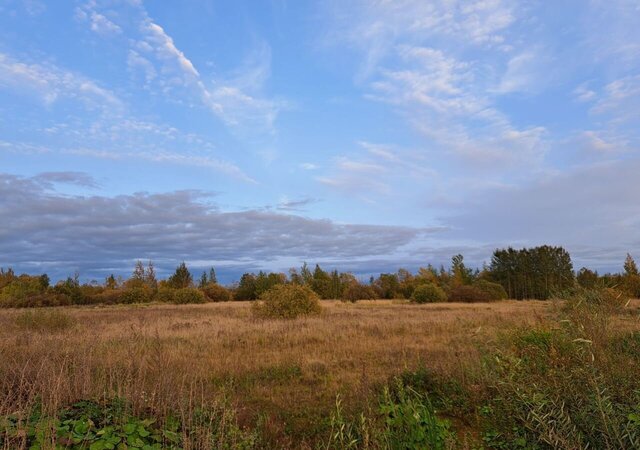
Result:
<point x="107" y="296"/>
<point x="188" y="295"/>
<point x="357" y="291"/>
<point x="136" y="295"/>
<point x="40" y="320"/>
<point x="468" y="294"/>
<point x="428" y="293"/>
<point x="216" y="293"/>
<point x="287" y="301"/>
<point x="495" y="291"/>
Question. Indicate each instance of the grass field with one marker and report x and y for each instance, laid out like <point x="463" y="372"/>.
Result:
<point x="281" y="376"/>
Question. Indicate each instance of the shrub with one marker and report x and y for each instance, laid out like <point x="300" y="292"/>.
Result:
<point x="495" y="291"/>
<point x="468" y="294"/>
<point x="40" y="320"/>
<point x="216" y="293"/>
<point x="287" y="301"/>
<point x="136" y="295"/>
<point x="107" y="296"/>
<point x="357" y="291"/>
<point x="428" y="293"/>
<point x="188" y="295"/>
<point x="568" y="387"/>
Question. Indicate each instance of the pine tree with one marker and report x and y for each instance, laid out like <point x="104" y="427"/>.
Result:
<point x="181" y="278"/>
<point x="212" y="276"/>
<point x="203" y="280"/>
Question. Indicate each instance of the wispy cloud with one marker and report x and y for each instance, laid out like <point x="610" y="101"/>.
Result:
<point x="236" y="99"/>
<point x="50" y="83"/>
<point x="449" y="90"/>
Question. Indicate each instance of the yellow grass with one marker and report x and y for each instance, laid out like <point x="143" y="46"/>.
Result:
<point x="172" y="358"/>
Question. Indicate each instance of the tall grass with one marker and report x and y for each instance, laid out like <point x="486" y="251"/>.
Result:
<point x="504" y="375"/>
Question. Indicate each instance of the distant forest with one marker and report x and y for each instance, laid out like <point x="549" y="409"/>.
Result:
<point x="528" y="273"/>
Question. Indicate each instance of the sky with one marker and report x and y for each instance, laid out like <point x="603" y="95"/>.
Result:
<point x="361" y="135"/>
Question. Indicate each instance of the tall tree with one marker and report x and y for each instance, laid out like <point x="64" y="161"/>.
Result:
<point x="181" y="278"/>
<point x="150" y="276"/>
<point x="532" y="273"/>
<point x="138" y="272"/>
<point x="203" y="280"/>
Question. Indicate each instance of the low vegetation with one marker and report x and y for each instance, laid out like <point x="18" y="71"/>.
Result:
<point x="428" y="293"/>
<point x="287" y="301"/>
<point x="369" y="375"/>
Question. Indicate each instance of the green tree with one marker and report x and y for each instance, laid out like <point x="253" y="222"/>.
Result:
<point x="181" y="278"/>
<point x="532" y="273"/>
<point x="204" y="280"/>
<point x="587" y="278"/>
<point x="387" y="285"/>
<point x="321" y="283"/>
<point x="246" y="289"/>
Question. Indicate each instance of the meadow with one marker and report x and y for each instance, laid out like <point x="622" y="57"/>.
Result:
<point x="312" y="382"/>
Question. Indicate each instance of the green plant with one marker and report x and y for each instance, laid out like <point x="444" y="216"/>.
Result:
<point x="188" y="295"/>
<point x="411" y="421"/>
<point x="428" y="293"/>
<point x="88" y="425"/>
<point x="141" y="294"/>
<point x="345" y="434"/>
<point x="569" y="386"/>
<point x="180" y="296"/>
<point x="287" y="301"/>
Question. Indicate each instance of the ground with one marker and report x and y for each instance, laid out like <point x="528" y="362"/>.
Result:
<point x="288" y="372"/>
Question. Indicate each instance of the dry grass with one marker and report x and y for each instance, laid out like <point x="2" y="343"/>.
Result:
<point x="172" y="358"/>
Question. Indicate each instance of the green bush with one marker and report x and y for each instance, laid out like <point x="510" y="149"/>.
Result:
<point x="357" y="291"/>
<point x="216" y="293"/>
<point x="494" y="291"/>
<point x="428" y="293"/>
<point x="287" y="301"/>
<point x="141" y="294"/>
<point x="188" y="295"/>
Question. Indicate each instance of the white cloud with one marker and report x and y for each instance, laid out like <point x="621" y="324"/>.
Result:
<point x="51" y="83"/>
<point x="236" y="99"/>
<point x="161" y="156"/>
<point x="309" y="166"/>
<point x="443" y="65"/>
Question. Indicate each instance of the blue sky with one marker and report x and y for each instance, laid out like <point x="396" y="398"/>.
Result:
<point x="364" y="135"/>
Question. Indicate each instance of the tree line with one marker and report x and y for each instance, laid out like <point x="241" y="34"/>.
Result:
<point x="527" y="273"/>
